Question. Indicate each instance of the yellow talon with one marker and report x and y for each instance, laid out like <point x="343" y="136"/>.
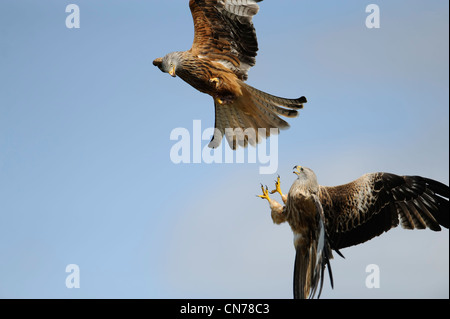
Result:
<point x="277" y="187"/>
<point x="215" y="80"/>
<point x="265" y="194"/>
<point x="220" y="101"/>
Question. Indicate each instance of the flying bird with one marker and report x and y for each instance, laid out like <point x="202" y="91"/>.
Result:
<point x="223" y="51"/>
<point x="324" y="218"/>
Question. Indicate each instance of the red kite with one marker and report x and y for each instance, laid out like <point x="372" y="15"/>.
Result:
<point x="330" y="218"/>
<point x="223" y="51"/>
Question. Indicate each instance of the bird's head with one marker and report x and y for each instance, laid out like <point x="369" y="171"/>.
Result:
<point x="306" y="176"/>
<point x="169" y="63"/>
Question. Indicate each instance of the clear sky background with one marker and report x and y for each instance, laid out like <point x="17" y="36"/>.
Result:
<point x="85" y="172"/>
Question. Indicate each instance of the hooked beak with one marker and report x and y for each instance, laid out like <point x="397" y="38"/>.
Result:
<point x="172" y="71"/>
<point x="297" y="169"/>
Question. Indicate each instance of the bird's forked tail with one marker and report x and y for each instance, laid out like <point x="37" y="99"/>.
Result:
<point x="253" y="115"/>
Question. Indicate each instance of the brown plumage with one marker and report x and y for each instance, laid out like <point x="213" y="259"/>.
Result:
<point x="223" y="51"/>
<point x="330" y="218"/>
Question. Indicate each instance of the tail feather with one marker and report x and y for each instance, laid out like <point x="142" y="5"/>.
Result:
<point x="219" y="127"/>
<point x="234" y="138"/>
<point x="301" y="266"/>
<point x="310" y="263"/>
<point x="240" y="120"/>
<point x="238" y="135"/>
<point x="271" y="117"/>
<point x="272" y="99"/>
<point x="276" y="109"/>
<point x="233" y="123"/>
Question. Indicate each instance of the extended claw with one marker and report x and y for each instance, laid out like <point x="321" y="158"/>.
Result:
<point x="224" y="99"/>
<point x="278" y="190"/>
<point x="215" y="80"/>
<point x="265" y="194"/>
<point x="277" y="187"/>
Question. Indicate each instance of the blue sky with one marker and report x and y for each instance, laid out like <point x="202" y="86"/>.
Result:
<point x="85" y="171"/>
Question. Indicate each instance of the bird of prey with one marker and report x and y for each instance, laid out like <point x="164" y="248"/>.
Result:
<point x="330" y="218"/>
<point x="217" y="64"/>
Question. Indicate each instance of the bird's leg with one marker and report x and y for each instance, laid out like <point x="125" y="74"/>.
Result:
<point x="220" y="101"/>
<point x="265" y="194"/>
<point x="225" y="99"/>
<point x="216" y="81"/>
<point x="278" y="190"/>
<point x="222" y="94"/>
<point x="218" y="98"/>
<point x="277" y="210"/>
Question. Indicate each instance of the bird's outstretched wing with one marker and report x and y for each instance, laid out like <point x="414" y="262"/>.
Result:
<point x="375" y="203"/>
<point x="224" y="33"/>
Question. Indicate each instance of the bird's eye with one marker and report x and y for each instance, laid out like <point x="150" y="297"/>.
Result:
<point x="301" y="168"/>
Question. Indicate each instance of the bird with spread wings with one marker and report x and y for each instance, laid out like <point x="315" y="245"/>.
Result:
<point x="330" y="218"/>
<point x="223" y="51"/>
